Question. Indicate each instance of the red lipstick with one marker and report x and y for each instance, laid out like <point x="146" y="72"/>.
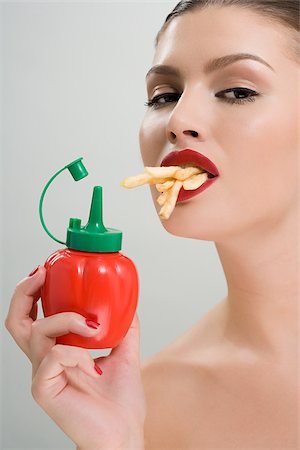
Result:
<point x="188" y="156"/>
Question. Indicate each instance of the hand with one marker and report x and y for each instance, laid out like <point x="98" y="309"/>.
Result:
<point x="97" y="412"/>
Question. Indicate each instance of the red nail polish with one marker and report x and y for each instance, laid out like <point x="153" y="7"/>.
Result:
<point x="34" y="271"/>
<point x="98" y="370"/>
<point x="92" y="324"/>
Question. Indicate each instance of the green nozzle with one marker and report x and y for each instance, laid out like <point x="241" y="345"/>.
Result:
<point x="95" y="223"/>
<point x="93" y="237"/>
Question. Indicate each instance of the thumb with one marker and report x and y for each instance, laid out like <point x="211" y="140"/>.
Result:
<point x="129" y="347"/>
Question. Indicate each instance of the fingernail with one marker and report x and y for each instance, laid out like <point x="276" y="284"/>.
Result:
<point x="34" y="271"/>
<point x="98" y="370"/>
<point x="92" y="324"/>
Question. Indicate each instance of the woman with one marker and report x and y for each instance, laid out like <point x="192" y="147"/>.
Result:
<point x="224" y="84"/>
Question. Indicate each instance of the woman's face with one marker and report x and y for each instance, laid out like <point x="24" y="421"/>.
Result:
<point x="254" y="143"/>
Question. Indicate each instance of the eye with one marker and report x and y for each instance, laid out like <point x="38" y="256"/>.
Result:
<point x="162" y="99"/>
<point x="239" y="95"/>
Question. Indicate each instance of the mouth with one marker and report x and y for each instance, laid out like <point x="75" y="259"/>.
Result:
<point x="191" y="158"/>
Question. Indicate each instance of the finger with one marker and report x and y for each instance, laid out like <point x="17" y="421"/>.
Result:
<point x="21" y="311"/>
<point x="44" y="331"/>
<point x="34" y="312"/>
<point x="25" y="295"/>
<point x="129" y="348"/>
<point x="50" y="378"/>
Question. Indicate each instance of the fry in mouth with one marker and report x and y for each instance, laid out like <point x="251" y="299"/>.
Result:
<point x="195" y="181"/>
<point x="168" y="181"/>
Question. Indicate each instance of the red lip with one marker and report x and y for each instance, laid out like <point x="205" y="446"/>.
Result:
<point x="190" y="156"/>
<point x="180" y="157"/>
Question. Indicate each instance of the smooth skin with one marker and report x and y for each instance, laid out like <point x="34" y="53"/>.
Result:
<point x="231" y="381"/>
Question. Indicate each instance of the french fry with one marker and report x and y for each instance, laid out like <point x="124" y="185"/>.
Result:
<point x="162" y="198"/>
<point x="168" y="181"/>
<point x="156" y="180"/>
<point x="162" y="187"/>
<point x="162" y="172"/>
<point x="195" y="181"/>
<point x="183" y="174"/>
<point x="137" y="180"/>
<point x="170" y="202"/>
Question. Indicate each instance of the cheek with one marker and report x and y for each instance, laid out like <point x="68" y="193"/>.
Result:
<point x="263" y="149"/>
<point x="152" y="138"/>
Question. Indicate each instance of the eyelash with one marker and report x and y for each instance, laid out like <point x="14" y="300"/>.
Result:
<point x="154" y="102"/>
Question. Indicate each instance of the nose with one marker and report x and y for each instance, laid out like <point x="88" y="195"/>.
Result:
<point x="185" y="123"/>
<point x="173" y="137"/>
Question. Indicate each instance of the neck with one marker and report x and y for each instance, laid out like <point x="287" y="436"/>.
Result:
<point x="261" y="310"/>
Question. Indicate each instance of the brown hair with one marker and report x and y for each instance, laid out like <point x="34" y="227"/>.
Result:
<point x="284" y="12"/>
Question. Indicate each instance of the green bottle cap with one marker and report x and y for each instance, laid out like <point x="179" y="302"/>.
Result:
<point x="93" y="237"/>
<point x="77" y="169"/>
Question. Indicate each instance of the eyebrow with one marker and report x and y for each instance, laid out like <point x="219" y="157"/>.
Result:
<point x="211" y="66"/>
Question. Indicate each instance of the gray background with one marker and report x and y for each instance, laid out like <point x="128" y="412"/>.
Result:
<point x="73" y="85"/>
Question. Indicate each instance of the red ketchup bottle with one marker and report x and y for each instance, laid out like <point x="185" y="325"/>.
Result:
<point x="91" y="276"/>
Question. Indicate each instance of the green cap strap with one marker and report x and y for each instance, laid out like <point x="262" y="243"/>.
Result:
<point x="78" y="171"/>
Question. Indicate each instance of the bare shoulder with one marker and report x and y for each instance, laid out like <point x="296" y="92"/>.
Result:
<point x="191" y="394"/>
<point x="158" y="375"/>
<point x="170" y="385"/>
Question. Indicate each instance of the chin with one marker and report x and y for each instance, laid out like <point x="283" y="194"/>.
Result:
<point x="203" y="229"/>
<point x="180" y="228"/>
